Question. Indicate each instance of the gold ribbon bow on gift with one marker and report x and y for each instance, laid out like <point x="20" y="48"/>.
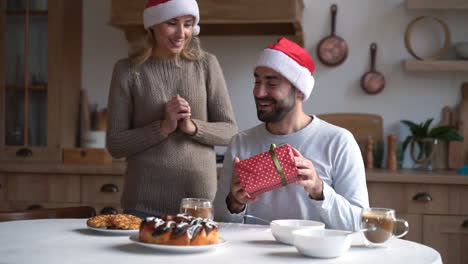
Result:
<point x="284" y="182"/>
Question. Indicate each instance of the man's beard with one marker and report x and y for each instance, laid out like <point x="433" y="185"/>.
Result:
<point x="280" y="110"/>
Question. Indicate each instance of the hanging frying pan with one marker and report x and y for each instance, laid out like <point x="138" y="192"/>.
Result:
<point x="373" y="81"/>
<point x="332" y="50"/>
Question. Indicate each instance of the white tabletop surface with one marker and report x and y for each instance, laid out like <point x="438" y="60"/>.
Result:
<point x="70" y="241"/>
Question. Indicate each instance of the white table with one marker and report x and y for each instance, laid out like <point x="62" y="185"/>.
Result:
<point x="70" y="241"/>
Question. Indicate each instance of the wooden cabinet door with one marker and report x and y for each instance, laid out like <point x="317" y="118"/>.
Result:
<point x="415" y="226"/>
<point x="458" y="197"/>
<point x="39" y="88"/>
<point x="101" y="189"/>
<point x="427" y="198"/>
<point x="3" y="186"/>
<point x="448" y="235"/>
<point x="387" y="195"/>
<point x="43" y="188"/>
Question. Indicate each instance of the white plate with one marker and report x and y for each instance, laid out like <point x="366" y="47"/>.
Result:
<point x="179" y="249"/>
<point x="114" y="231"/>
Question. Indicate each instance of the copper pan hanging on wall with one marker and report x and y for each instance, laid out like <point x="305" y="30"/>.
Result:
<point x="332" y="50"/>
<point x="373" y="82"/>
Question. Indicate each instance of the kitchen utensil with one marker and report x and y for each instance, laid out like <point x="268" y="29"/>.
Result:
<point x="332" y="50"/>
<point x="373" y="81"/>
<point x="441" y="156"/>
<point x="392" y="163"/>
<point x="463" y="121"/>
<point x="441" y="51"/>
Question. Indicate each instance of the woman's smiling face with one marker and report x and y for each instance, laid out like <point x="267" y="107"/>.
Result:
<point x="172" y="36"/>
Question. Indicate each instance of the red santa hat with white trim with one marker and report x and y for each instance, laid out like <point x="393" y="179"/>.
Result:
<point x="158" y="11"/>
<point x="292" y="61"/>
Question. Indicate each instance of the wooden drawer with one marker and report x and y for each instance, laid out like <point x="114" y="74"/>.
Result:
<point x="106" y="208"/>
<point x="3" y="186"/>
<point x="415" y="226"/>
<point x="44" y="188"/>
<point x="27" y="205"/>
<point x="448" y="235"/>
<point x="101" y="189"/>
<point x="458" y="200"/>
<point x="4" y="206"/>
<point x="387" y="195"/>
<point x="411" y="198"/>
<point x="427" y="198"/>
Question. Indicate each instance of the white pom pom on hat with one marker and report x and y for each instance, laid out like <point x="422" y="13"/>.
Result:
<point x="158" y="11"/>
<point x="292" y="61"/>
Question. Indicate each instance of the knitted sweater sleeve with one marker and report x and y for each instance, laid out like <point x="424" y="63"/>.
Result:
<point x="221" y="124"/>
<point x="122" y="139"/>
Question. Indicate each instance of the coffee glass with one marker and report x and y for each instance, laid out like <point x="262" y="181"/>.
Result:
<point x="197" y="207"/>
<point x="379" y="224"/>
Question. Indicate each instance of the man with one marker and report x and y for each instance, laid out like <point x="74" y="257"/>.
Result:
<point x="333" y="186"/>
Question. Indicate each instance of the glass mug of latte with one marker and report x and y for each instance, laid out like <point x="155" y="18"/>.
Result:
<point x="197" y="207"/>
<point x="379" y="224"/>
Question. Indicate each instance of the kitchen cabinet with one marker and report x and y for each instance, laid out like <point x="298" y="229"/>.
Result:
<point x="437" y="65"/>
<point x="40" y="73"/>
<point x="434" y="204"/>
<point x="223" y="17"/>
<point x="48" y="185"/>
<point x="449" y="235"/>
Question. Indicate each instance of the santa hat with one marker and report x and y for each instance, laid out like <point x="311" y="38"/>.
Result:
<point x="292" y="61"/>
<point x="158" y="11"/>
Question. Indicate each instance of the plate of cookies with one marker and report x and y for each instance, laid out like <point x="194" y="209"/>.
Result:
<point x="119" y="224"/>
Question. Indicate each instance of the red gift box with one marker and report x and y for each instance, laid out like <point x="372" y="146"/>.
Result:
<point x="261" y="173"/>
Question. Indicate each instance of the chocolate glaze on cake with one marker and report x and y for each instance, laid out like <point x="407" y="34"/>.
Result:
<point x="180" y="225"/>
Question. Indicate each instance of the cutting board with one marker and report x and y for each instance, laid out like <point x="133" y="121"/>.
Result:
<point x="361" y="125"/>
<point x="463" y="121"/>
<point x="441" y="154"/>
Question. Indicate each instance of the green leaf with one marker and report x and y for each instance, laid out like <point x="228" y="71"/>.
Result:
<point x="406" y="142"/>
<point x="426" y="125"/>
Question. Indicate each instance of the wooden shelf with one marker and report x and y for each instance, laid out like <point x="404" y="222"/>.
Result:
<point x="23" y="12"/>
<point x="31" y="87"/>
<point x="223" y="17"/>
<point x="437" y="65"/>
<point x="437" y="4"/>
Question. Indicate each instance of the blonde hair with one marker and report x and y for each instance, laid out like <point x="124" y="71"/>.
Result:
<point x="142" y="49"/>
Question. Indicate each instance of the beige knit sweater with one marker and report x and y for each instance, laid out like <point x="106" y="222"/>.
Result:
<point x="162" y="169"/>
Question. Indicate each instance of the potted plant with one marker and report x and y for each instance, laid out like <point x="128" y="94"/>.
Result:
<point x="426" y="140"/>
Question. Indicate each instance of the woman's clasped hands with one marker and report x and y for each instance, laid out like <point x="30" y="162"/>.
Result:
<point x="177" y="115"/>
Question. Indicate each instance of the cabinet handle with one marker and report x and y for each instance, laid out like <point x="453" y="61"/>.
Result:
<point x="35" y="207"/>
<point x="109" y="188"/>
<point x="109" y="210"/>
<point x="24" y="152"/>
<point x="1" y="186"/>
<point x="423" y="197"/>
<point x="465" y="224"/>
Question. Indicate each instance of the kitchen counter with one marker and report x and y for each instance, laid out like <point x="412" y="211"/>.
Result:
<point x="118" y="168"/>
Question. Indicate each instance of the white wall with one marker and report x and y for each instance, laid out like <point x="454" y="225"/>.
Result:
<point x="408" y="95"/>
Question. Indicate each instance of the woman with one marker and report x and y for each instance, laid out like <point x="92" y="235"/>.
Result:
<point x="168" y="107"/>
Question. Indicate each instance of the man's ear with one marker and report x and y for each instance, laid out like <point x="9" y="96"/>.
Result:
<point x="299" y="94"/>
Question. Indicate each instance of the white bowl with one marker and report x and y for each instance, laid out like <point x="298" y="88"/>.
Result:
<point x="326" y="243"/>
<point x="282" y="229"/>
<point x="462" y="49"/>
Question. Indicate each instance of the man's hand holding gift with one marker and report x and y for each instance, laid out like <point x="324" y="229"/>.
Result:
<point x="290" y="167"/>
<point x="312" y="183"/>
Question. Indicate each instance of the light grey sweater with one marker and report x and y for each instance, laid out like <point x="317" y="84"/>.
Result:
<point x="337" y="160"/>
<point x="162" y="169"/>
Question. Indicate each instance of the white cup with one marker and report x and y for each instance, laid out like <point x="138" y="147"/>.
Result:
<point x="93" y="139"/>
